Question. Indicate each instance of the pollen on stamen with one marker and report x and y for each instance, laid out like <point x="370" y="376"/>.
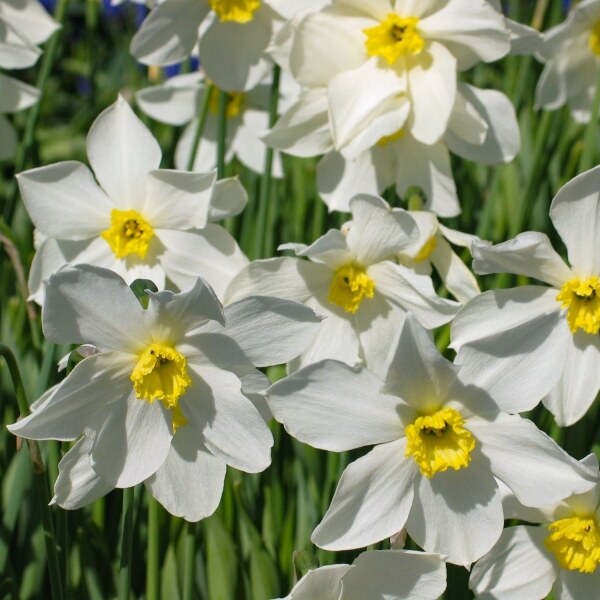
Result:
<point x="238" y="11"/>
<point x="349" y="286"/>
<point x="581" y="299"/>
<point x="575" y="542"/>
<point x="394" y="37"/>
<point x="439" y="442"/>
<point x="129" y="233"/>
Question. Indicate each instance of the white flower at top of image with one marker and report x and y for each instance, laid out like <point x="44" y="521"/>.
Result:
<point x="138" y="220"/>
<point x="482" y="127"/>
<point x="389" y="574"/>
<point x="352" y="278"/>
<point x="561" y="555"/>
<point x="440" y="448"/>
<point x="167" y="397"/>
<point x="23" y="25"/>
<point x="550" y="333"/>
<point x="177" y="102"/>
<point x="571" y="53"/>
<point x="232" y="37"/>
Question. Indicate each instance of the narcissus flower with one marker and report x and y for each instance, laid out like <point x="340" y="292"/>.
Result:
<point x="389" y="574"/>
<point x="138" y="220"/>
<point x="536" y="343"/>
<point x="165" y="399"/>
<point x="571" y="53"/>
<point x="562" y="554"/>
<point x="353" y="279"/>
<point x="23" y="25"/>
<point x="440" y="448"/>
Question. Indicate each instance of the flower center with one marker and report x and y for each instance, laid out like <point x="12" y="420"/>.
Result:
<point x="240" y="11"/>
<point x="161" y="374"/>
<point x="428" y="247"/>
<point x="235" y="103"/>
<point x="350" y="284"/>
<point x="581" y="298"/>
<point x="595" y="39"/>
<point x="394" y="37"/>
<point x="439" y="441"/>
<point x="386" y="139"/>
<point x="129" y="233"/>
<point x="576" y="543"/>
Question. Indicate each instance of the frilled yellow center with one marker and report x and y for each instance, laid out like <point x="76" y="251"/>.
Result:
<point x="235" y="103"/>
<point x="428" y="247"/>
<point x="386" y="139"/>
<point x="239" y="11"/>
<point x="576" y="543"/>
<point x="595" y="38"/>
<point x="394" y="37"/>
<point x="581" y="298"/>
<point x="438" y="442"/>
<point x="349" y="286"/>
<point x="161" y="374"/>
<point x="129" y="233"/>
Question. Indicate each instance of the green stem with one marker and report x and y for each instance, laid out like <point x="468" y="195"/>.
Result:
<point x="188" y="572"/>
<point x="222" y="134"/>
<point x="591" y="132"/>
<point x="266" y="179"/>
<point x="34" y="113"/>
<point x="202" y="116"/>
<point x="126" y="544"/>
<point x="39" y="478"/>
<point x="153" y="566"/>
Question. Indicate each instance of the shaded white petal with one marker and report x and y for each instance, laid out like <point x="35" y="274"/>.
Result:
<point x="16" y="95"/>
<point x="228" y="200"/>
<point x="457" y="513"/>
<point x="122" y="152"/>
<point x="371" y="502"/>
<point x="518" y="566"/>
<point x="573" y="585"/>
<point x="322" y="583"/>
<point x="331" y="406"/>
<point x="189" y="483"/>
<point x="30" y="19"/>
<point x="529" y="462"/>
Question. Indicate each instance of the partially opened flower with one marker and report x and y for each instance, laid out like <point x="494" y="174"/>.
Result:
<point x="389" y="574"/>
<point x="353" y="279"/>
<point x="547" y="334"/>
<point x="571" y="53"/>
<point x="165" y="399"/>
<point x="440" y="447"/>
<point x="138" y="220"/>
<point x="177" y="102"/>
<point x="561" y="555"/>
<point x="23" y="25"/>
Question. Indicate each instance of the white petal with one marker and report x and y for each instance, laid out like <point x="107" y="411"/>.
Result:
<point x="322" y="583"/>
<point x="229" y="199"/>
<point x="189" y="483"/>
<point x="579" y="384"/>
<point x="527" y="569"/>
<point x="30" y="19"/>
<point x="457" y="513"/>
<point x="87" y="304"/>
<point x="530" y="254"/>
<point x="575" y="212"/>
<point x="78" y="484"/>
<point x="331" y="406"/>
<point x="529" y="462"/>
<point x="122" y="152"/>
<point x="133" y="441"/>
<point x="269" y="330"/>
<point x="64" y="201"/>
<point x="395" y="575"/>
<point x="16" y="95"/>
<point x="371" y="502"/>
<point x="573" y="585"/>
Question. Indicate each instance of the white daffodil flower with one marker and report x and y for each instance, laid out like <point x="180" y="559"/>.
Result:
<point x="434" y="250"/>
<point x="353" y="279"/>
<point x="535" y="342"/>
<point x="562" y="555"/>
<point x="177" y="102"/>
<point x="138" y="220"/>
<point x="389" y="574"/>
<point x="482" y="127"/>
<point x="523" y="39"/>
<point x="440" y="447"/>
<point x="23" y="25"/>
<point x="234" y="35"/>
<point x="571" y="53"/>
<point x="165" y="400"/>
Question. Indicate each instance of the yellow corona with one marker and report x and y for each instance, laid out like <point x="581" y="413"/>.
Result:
<point x="394" y="37"/>
<point x="581" y="299"/>
<point x="576" y="543"/>
<point x="349" y="287"/>
<point x="129" y="233"/>
<point x="238" y="11"/>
